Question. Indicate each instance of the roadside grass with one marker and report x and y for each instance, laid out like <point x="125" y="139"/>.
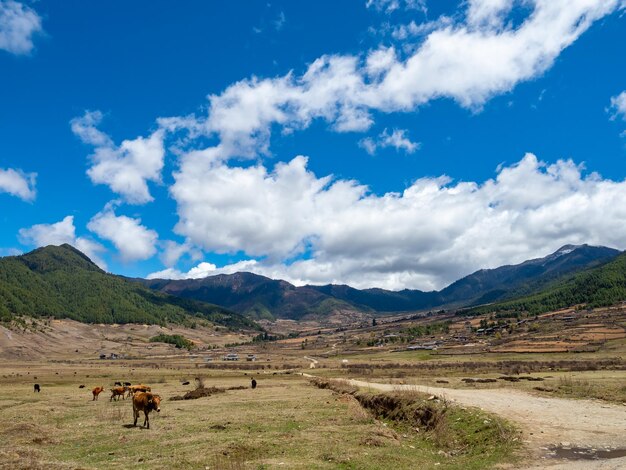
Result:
<point x="458" y="437"/>
<point x="601" y="386"/>
<point x="284" y="423"/>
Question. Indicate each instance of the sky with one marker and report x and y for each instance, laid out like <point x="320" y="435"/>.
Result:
<point x="376" y="143"/>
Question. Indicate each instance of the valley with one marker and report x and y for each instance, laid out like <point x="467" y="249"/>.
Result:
<point x="513" y="378"/>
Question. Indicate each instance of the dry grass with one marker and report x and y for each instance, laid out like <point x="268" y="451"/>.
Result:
<point x="283" y="423"/>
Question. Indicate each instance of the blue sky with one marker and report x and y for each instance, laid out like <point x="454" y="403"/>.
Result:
<point x="391" y="143"/>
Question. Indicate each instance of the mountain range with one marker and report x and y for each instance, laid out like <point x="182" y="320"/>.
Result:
<point x="261" y="297"/>
<point x="61" y="282"/>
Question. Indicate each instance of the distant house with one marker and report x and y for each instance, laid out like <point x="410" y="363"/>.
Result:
<point x="251" y="357"/>
<point x="231" y="357"/>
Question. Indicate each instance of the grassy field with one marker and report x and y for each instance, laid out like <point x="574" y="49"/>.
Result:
<point x="284" y="423"/>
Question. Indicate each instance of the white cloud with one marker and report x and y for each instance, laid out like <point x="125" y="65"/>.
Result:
<point x="488" y="13"/>
<point x="397" y="139"/>
<point x="172" y="252"/>
<point x="471" y="63"/>
<point x="133" y="240"/>
<point x="18" y="24"/>
<point x="18" y="183"/>
<point x="59" y="233"/>
<point x="431" y="234"/>
<point x="205" y="269"/>
<point x="10" y="252"/>
<point x="126" y="168"/>
<point x="403" y="32"/>
<point x="85" y="128"/>
<point x="263" y="213"/>
<point x="618" y="106"/>
<point x="469" y="60"/>
<point x="389" y="6"/>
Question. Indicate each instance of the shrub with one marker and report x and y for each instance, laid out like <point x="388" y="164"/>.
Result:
<point x="177" y="340"/>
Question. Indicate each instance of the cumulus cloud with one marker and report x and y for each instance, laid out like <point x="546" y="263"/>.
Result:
<point x="59" y="233"/>
<point x="427" y="236"/>
<point x="133" y="240"/>
<point x="397" y="139"/>
<point x="264" y="213"/>
<point x="126" y="168"/>
<point x="18" y="24"/>
<point x="468" y="59"/>
<point x="18" y="183"/>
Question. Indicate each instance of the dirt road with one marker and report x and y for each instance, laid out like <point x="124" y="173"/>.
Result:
<point x="544" y="421"/>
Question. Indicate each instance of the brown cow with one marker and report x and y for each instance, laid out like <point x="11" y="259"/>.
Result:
<point x="97" y="391"/>
<point x="117" y="392"/>
<point x="146" y="402"/>
<point x="138" y="388"/>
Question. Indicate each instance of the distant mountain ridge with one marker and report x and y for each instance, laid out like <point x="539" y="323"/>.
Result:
<point x="62" y="282"/>
<point x="253" y="295"/>
<point x="262" y="297"/>
<point x="601" y="286"/>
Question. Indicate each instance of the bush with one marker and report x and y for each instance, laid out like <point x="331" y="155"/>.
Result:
<point x="177" y="340"/>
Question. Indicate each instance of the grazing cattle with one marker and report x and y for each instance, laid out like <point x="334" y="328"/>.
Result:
<point x="253" y="383"/>
<point x="186" y="383"/>
<point x="138" y="388"/>
<point x="117" y="384"/>
<point x="81" y="386"/>
<point x="97" y="391"/>
<point x="36" y="388"/>
<point x="117" y="392"/>
<point x="146" y="402"/>
<point x="126" y="384"/>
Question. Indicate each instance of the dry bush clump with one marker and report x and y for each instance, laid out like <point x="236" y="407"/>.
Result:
<point x="199" y="393"/>
<point x="202" y="390"/>
<point x="382" y="437"/>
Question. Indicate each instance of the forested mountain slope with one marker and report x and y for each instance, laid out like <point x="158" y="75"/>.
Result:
<point x="61" y="282"/>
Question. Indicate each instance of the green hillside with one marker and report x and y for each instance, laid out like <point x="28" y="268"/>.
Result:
<point x="598" y="287"/>
<point x="61" y="282"/>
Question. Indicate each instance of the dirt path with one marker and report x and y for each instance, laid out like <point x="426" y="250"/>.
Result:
<point x="544" y="421"/>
